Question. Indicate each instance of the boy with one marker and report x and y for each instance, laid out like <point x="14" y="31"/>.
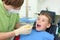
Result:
<point x="42" y="23"/>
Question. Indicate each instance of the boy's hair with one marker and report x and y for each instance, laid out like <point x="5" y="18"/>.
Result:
<point x="48" y="15"/>
<point x="14" y="3"/>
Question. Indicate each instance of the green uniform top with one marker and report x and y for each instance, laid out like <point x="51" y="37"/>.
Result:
<point x="7" y="20"/>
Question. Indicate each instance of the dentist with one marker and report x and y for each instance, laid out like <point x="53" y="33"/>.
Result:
<point x="9" y="18"/>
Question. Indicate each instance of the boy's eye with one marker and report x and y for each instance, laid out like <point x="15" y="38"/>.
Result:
<point x="38" y="19"/>
<point x="43" y="20"/>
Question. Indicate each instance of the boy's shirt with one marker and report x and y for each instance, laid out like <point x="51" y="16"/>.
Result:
<point x="35" y="35"/>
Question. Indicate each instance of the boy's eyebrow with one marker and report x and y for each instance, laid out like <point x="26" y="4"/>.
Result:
<point x="43" y="18"/>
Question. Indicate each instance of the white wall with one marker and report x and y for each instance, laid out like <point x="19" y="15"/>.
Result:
<point x="23" y="10"/>
<point x="32" y="8"/>
<point x="52" y="5"/>
<point x="35" y="6"/>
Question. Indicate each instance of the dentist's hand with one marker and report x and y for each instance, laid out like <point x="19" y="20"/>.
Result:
<point x="23" y="30"/>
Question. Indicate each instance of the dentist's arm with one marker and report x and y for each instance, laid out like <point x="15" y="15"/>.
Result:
<point x="5" y="35"/>
<point x="22" y="30"/>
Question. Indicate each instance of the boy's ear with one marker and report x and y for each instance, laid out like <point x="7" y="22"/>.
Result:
<point x="48" y="26"/>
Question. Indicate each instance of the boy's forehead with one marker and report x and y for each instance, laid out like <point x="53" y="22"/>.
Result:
<point x="43" y="17"/>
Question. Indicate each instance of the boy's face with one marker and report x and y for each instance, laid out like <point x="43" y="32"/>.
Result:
<point x="42" y="23"/>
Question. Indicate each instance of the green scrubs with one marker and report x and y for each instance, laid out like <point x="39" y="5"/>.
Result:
<point x="7" y="20"/>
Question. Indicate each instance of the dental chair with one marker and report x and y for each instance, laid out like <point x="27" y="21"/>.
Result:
<point x="51" y="30"/>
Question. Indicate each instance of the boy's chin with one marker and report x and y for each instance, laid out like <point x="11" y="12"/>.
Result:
<point x="39" y="30"/>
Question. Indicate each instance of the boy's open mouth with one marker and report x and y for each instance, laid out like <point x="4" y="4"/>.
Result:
<point x="38" y="25"/>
